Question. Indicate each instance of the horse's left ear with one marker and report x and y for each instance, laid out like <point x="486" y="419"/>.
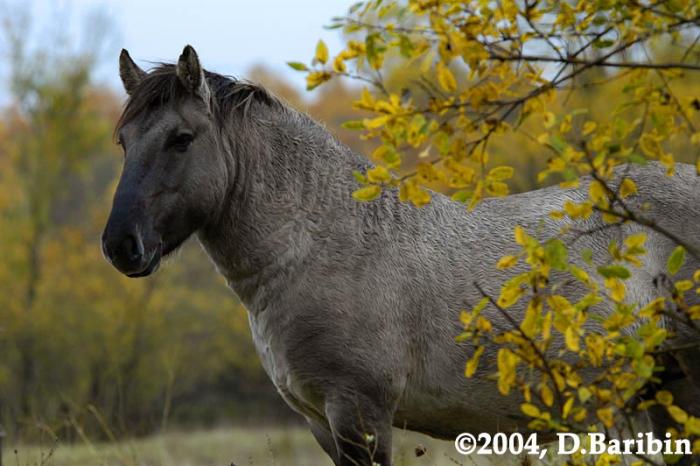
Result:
<point x="191" y="74"/>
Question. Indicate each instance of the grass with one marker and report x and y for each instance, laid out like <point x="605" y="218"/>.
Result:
<point x="292" y="446"/>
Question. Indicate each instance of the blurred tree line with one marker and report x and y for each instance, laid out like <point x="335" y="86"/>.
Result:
<point x="85" y="351"/>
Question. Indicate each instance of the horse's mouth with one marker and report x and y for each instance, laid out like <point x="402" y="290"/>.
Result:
<point x="151" y="267"/>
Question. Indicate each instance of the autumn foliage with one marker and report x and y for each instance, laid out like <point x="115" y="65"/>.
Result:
<point x="475" y="98"/>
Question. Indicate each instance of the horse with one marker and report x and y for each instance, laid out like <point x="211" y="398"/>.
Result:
<point x="353" y="306"/>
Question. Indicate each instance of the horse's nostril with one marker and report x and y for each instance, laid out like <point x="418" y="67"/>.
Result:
<point x="133" y="248"/>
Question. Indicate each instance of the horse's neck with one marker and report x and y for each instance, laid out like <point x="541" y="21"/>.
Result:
<point x="293" y="180"/>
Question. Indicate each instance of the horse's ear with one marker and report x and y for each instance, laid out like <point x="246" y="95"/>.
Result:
<point x="130" y="72"/>
<point x="191" y="74"/>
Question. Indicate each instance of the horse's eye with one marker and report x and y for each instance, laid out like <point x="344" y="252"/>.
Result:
<point x="181" y="141"/>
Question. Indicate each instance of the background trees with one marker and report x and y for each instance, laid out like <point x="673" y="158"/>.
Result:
<point x="85" y="352"/>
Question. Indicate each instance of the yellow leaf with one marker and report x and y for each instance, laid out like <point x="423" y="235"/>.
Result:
<point x="677" y="414"/>
<point x="498" y="188"/>
<point x="617" y="289"/>
<point x="549" y="119"/>
<point x="315" y="78"/>
<point x="596" y="192"/>
<point x="556" y="164"/>
<point x="557" y="214"/>
<point x="419" y="197"/>
<point x="573" y="210"/>
<point x="367" y="193"/>
<point x="501" y="173"/>
<point x="664" y="397"/>
<point x="683" y="285"/>
<point x="572" y="339"/>
<point x="473" y="362"/>
<point x="446" y="78"/>
<point x="584" y="394"/>
<point x="510" y="294"/>
<point x="595" y="346"/>
<point x="378" y="174"/>
<point x="375" y="123"/>
<point x="589" y="127"/>
<point x="692" y="425"/>
<point x="567" y="407"/>
<point x="547" y="326"/>
<point x="565" y="126"/>
<point x="606" y="416"/>
<point x="321" y="52"/>
<point x="547" y="395"/>
<point x="339" y="64"/>
<point x="627" y="188"/>
<point x="520" y="236"/>
<point x="506" y="362"/>
<point x="532" y="314"/>
<point x="636" y="240"/>
<point x="506" y="262"/>
<point x="653" y="308"/>
<point x="530" y="410"/>
<point x="610" y="218"/>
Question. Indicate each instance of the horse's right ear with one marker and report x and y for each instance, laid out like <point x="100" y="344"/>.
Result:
<point x="130" y="72"/>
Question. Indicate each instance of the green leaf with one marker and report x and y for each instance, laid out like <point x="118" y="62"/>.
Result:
<point x="603" y="43"/>
<point x="359" y="176"/>
<point x="297" y="66"/>
<point x="462" y="196"/>
<point x="353" y="124"/>
<point x="616" y="271"/>
<point x="354" y="7"/>
<point x="676" y="260"/>
<point x="333" y="26"/>
<point x="587" y="255"/>
<point x="558" y="143"/>
<point x="556" y="253"/>
<point x="634" y="157"/>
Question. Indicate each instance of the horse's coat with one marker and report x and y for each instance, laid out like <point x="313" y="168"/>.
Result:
<point x="353" y="306"/>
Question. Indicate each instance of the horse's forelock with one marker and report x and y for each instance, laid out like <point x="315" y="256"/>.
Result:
<point x="161" y="85"/>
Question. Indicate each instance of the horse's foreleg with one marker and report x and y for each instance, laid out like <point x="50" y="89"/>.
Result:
<point x="361" y="430"/>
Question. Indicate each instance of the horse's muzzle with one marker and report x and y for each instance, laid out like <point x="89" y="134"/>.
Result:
<point x="126" y="252"/>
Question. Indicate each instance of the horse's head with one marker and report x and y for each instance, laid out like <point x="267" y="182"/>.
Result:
<point x="175" y="173"/>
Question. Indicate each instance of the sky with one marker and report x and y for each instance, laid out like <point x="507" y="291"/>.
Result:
<point x="229" y="35"/>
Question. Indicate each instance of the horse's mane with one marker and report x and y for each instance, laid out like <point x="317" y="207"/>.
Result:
<point x="161" y="85"/>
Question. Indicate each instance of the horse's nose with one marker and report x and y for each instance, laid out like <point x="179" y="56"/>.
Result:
<point x="125" y="251"/>
<point x="133" y="248"/>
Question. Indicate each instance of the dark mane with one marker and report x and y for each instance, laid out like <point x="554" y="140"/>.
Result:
<point x="162" y="85"/>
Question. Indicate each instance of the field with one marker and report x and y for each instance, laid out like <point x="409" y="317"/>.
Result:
<point x="292" y="446"/>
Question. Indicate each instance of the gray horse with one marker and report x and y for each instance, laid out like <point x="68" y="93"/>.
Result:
<point x="353" y="306"/>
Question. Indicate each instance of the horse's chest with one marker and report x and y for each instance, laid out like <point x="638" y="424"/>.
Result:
<point x="270" y="347"/>
<point x="264" y="341"/>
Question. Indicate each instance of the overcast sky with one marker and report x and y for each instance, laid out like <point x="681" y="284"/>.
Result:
<point x="229" y="35"/>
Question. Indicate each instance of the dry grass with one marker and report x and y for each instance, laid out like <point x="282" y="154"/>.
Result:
<point x="293" y="446"/>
